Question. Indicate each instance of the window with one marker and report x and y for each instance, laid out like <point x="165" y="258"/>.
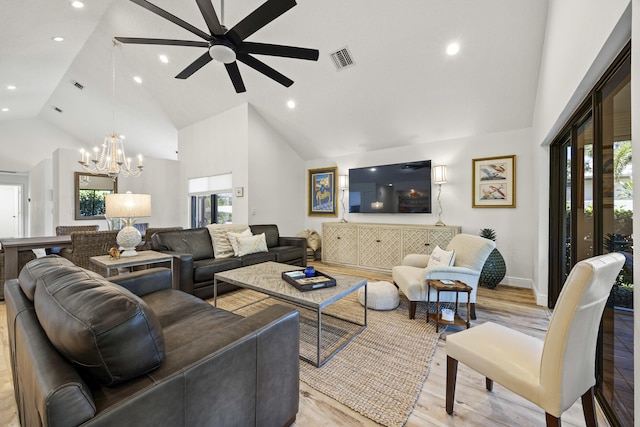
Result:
<point x="211" y="200"/>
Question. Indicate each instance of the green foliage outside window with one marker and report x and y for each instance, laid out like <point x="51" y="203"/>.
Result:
<point x="92" y="202"/>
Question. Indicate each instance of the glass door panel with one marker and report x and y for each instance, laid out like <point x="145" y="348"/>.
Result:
<point x="616" y="375"/>
<point x="583" y="240"/>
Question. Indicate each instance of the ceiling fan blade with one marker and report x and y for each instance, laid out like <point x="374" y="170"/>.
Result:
<point x="166" y="15"/>
<point x="164" y="42"/>
<point x="264" y="69"/>
<point x="260" y="17"/>
<point x="210" y="17"/>
<point x="203" y="60"/>
<point x="236" y="78"/>
<point x="279" y="50"/>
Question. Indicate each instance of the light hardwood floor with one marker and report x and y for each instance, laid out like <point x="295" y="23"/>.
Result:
<point x="474" y="406"/>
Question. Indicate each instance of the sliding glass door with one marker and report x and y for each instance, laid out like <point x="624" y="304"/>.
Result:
<point x="591" y="211"/>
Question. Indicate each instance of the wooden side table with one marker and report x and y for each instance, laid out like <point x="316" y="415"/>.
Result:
<point x="143" y="258"/>
<point x="456" y="287"/>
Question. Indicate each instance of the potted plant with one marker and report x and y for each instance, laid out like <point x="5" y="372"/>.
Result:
<point x="494" y="268"/>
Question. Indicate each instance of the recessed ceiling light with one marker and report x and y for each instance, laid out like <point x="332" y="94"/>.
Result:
<point x="11" y="87"/>
<point x="137" y="79"/>
<point x="57" y="39"/>
<point x="164" y="59"/>
<point x="453" y="49"/>
<point x="121" y="136"/>
<point x="291" y="104"/>
<point x="77" y="4"/>
<point x="5" y="109"/>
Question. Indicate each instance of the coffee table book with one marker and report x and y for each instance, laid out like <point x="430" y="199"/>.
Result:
<point x="303" y="283"/>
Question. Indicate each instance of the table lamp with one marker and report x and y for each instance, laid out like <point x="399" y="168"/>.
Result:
<point x="128" y="207"/>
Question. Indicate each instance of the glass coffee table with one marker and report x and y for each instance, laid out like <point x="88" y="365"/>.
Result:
<point x="266" y="278"/>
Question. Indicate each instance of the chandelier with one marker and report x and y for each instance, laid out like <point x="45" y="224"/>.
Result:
<point x="111" y="160"/>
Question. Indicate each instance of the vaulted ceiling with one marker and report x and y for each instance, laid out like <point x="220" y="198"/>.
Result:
<point x="403" y="89"/>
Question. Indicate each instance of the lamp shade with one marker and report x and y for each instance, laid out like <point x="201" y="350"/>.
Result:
<point x="440" y="174"/>
<point x="127" y="205"/>
<point x="343" y="182"/>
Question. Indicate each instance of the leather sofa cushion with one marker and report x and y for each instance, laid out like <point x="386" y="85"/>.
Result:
<point x="204" y="269"/>
<point x="103" y="329"/>
<point x="35" y="269"/>
<point x="286" y="253"/>
<point x="195" y="241"/>
<point x="272" y="235"/>
<point x="257" y="258"/>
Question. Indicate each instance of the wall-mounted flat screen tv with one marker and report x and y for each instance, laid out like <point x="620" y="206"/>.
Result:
<point x="396" y="188"/>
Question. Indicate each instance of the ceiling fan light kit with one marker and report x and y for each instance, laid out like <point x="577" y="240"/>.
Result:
<point x="222" y="53"/>
<point x="228" y="46"/>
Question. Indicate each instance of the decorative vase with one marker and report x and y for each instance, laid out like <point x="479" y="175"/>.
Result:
<point x="494" y="270"/>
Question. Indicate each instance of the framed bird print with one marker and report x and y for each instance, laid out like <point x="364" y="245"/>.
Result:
<point x="494" y="182"/>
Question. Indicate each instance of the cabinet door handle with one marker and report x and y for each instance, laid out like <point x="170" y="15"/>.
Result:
<point x="378" y="241"/>
<point x="338" y="237"/>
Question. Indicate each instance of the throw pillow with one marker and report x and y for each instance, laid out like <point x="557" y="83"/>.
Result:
<point x="221" y="245"/>
<point x="233" y="239"/>
<point x="440" y="257"/>
<point x="252" y="245"/>
<point x="314" y="241"/>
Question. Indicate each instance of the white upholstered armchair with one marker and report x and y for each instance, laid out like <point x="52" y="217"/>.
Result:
<point x="552" y="373"/>
<point x="411" y="277"/>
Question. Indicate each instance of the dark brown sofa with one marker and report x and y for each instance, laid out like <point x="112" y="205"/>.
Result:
<point x="85" y="351"/>
<point x="194" y="248"/>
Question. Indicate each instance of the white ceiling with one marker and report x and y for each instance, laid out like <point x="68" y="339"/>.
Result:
<point x="403" y="90"/>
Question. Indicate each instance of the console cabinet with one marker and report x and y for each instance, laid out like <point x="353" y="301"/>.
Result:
<point x="380" y="246"/>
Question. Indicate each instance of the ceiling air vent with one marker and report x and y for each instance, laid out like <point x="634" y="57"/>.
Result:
<point x="342" y="59"/>
<point x="76" y="84"/>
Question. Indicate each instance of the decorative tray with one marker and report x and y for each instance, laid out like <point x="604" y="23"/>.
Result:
<point x="303" y="283"/>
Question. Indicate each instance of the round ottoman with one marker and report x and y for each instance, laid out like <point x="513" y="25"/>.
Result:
<point x="380" y="296"/>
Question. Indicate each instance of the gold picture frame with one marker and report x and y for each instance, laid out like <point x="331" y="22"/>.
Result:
<point x="322" y="190"/>
<point x="494" y="182"/>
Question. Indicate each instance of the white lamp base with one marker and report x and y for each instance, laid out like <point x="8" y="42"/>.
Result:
<point x="128" y="238"/>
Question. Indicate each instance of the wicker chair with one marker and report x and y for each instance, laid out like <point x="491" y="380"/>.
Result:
<point x="65" y="230"/>
<point x="23" y="258"/>
<point x="85" y="244"/>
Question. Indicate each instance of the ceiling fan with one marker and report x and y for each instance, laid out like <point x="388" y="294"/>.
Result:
<point x="227" y="46"/>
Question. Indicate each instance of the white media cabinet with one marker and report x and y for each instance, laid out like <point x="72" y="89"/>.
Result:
<point x="380" y="246"/>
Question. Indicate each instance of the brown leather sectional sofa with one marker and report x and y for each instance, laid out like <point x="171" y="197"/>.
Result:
<point x="85" y="351"/>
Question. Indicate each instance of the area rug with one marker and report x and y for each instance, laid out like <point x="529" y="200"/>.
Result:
<point x="380" y="373"/>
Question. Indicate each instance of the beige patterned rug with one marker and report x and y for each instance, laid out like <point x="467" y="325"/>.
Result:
<point x="380" y="373"/>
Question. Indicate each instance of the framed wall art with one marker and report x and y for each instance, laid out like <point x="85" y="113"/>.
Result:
<point x="494" y="182"/>
<point x="322" y="191"/>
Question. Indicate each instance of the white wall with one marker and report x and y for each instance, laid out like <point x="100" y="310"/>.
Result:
<point x="515" y="227"/>
<point x="215" y="146"/>
<point x="239" y="141"/>
<point x="41" y="200"/>
<point x="276" y="178"/>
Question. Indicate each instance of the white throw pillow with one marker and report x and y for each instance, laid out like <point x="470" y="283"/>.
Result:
<point x="252" y="245"/>
<point x="219" y="239"/>
<point x="440" y="257"/>
<point x="233" y="239"/>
